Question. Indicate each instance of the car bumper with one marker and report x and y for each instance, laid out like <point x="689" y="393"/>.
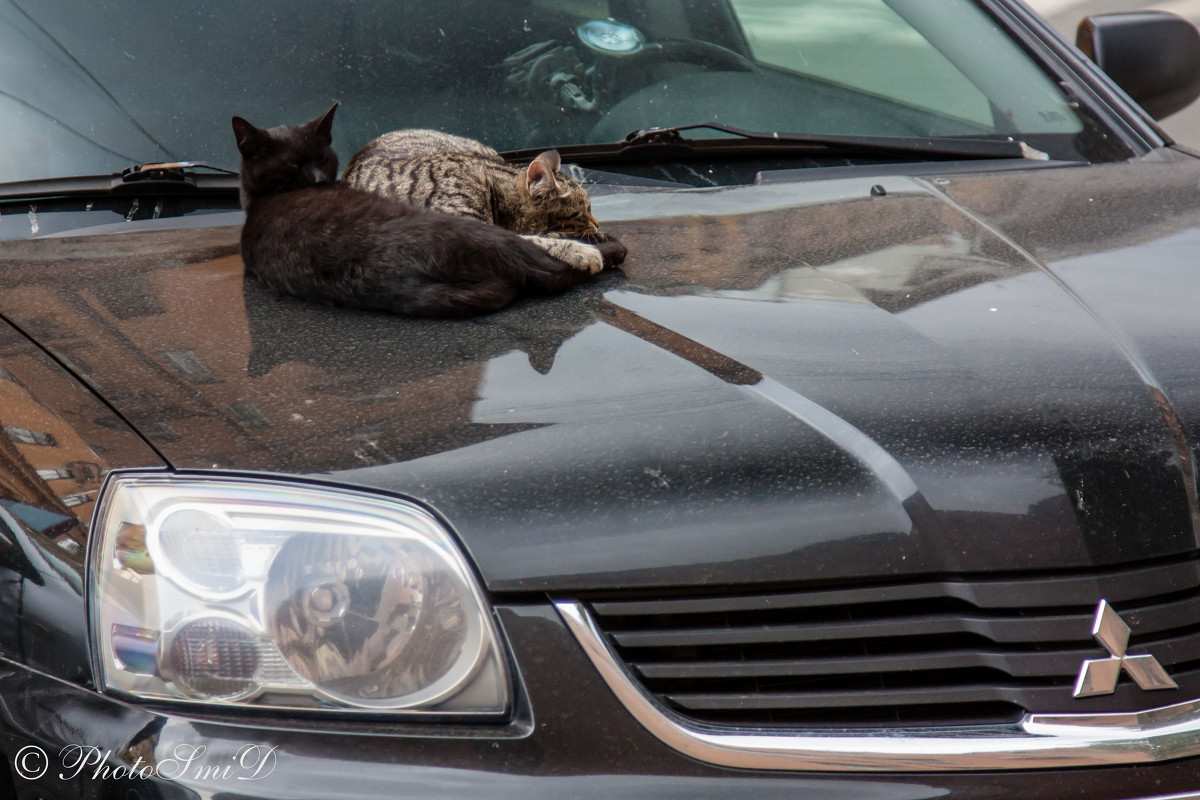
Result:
<point x="570" y="737"/>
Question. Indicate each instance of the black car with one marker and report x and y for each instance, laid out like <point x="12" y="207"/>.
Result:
<point x="872" y="474"/>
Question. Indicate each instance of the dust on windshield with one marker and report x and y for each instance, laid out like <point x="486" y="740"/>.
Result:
<point x="92" y="88"/>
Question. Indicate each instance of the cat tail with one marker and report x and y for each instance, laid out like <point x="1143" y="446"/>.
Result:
<point x="553" y="265"/>
<point x="432" y="264"/>
<point x="521" y="261"/>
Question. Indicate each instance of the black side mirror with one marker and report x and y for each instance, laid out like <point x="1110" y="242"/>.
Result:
<point x="1153" y="55"/>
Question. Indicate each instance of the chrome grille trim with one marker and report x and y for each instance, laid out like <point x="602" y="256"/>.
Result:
<point x="974" y="650"/>
<point x="1037" y="741"/>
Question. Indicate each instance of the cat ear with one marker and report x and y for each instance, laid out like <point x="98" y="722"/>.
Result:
<point x="539" y="177"/>
<point x="249" y="138"/>
<point x="322" y="126"/>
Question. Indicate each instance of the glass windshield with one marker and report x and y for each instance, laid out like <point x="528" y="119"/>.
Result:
<point x="94" y="87"/>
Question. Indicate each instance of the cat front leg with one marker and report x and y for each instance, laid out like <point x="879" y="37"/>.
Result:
<point x="584" y="257"/>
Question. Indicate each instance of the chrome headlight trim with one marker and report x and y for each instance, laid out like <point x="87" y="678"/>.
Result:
<point x="292" y="509"/>
<point x="1038" y="741"/>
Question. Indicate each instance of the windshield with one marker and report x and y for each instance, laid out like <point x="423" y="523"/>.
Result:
<point x="89" y="88"/>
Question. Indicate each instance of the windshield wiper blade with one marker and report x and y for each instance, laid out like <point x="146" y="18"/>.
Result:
<point x="171" y="171"/>
<point x="944" y="146"/>
<point x="670" y="142"/>
<point x="175" y="177"/>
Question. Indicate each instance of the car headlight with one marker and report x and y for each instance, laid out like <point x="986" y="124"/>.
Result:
<point x="262" y="593"/>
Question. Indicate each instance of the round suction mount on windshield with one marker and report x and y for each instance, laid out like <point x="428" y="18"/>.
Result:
<point x="610" y="38"/>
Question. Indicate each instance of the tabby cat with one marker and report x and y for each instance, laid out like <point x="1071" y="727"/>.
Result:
<point x="467" y="178"/>
<point x="308" y="236"/>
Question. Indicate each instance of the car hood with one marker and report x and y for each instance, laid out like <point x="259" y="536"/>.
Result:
<point x="799" y="381"/>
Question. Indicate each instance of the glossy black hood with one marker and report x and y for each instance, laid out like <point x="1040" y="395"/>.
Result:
<point x="790" y="383"/>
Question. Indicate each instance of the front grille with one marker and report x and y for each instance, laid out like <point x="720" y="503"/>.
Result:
<point x="960" y="652"/>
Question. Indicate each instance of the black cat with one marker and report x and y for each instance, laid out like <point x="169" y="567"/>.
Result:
<point x="307" y="236"/>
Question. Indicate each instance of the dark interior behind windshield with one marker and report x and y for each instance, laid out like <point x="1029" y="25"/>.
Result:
<point x="89" y="88"/>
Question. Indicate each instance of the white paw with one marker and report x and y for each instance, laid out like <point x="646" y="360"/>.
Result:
<point x="592" y="262"/>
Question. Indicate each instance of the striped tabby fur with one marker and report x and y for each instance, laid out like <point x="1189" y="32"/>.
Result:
<point x="460" y="176"/>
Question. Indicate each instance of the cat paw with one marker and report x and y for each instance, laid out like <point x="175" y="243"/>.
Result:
<point x="591" y="263"/>
<point x="612" y="251"/>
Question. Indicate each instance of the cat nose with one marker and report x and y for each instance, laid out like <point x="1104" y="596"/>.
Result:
<point x="593" y="223"/>
<point x="318" y="175"/>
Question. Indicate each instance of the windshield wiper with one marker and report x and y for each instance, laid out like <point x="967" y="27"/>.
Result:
<point x="169" y="171"/>
<point x="664" y="143"/>
<point x="174" y="177"/>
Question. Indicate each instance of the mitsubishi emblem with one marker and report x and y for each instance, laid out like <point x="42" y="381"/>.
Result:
<point x="1099" y="675"/>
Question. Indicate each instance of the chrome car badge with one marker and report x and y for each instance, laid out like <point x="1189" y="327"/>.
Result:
<point x="1099" y="675"/>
